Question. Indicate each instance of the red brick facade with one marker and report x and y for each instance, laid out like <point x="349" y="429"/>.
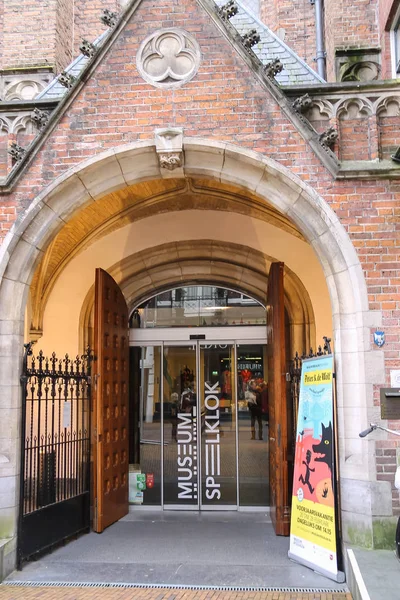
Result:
<point x="118" y="106"/>
<point x="225" y="101"/>
<point x="29" y="34"/>
<point x="294" y="22"/>
<point x="51" y="31"/>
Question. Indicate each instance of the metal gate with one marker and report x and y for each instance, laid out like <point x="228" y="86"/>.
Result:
<point x="55" y="452"/>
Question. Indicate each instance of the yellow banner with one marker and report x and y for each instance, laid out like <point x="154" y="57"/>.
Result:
<point x="317" y="377"/>
<point x="313" y="522"/>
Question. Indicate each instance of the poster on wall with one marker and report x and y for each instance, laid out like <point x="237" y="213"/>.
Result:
<point x="313" y="540"/>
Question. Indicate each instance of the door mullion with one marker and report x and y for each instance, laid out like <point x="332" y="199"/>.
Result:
<point x="235" y="392"/>
<point x="198" y="404"/>
<point x="162" y="423"/>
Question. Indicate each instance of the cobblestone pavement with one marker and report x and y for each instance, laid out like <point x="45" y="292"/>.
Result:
<point x="56" y="593"/>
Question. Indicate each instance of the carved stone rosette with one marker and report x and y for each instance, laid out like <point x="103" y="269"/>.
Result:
<point x="87" y="48"/>
<point x="40" y="117"/>
<point x="328" y="137"/>
<point x="109" y="18"/>
<point x="273" y="68"/>
<point x="66" y="79"/>
<point x="228" y="10"/>
<point x="168" y="58"/>
<point x="302" y="104"/>
<point x="16" y="151"/>
<point x="250" y="39"/>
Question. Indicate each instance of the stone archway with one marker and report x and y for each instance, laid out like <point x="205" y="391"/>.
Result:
<point x="357" y="366"/>
<point x="206" y="262"/>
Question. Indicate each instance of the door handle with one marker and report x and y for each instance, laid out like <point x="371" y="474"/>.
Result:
<point x="272" y="439"/>
<point x="95" y="378"/>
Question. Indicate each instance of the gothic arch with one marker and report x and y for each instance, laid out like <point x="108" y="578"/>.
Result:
<point x="203" y="262"/>
<point x="358" y="367"/>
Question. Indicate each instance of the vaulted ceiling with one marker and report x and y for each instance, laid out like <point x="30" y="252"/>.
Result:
<point x="134" y="203"/>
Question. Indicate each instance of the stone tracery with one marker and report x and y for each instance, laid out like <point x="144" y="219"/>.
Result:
<point x="168" y="58"/>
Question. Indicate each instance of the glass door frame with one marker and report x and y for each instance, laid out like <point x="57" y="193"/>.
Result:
<point x="177" y="506"/>
<point x="232" y="347"/>
<point x="234" y="343"/>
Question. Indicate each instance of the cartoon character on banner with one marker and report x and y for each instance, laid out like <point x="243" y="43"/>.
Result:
<point x="317" y="471"/>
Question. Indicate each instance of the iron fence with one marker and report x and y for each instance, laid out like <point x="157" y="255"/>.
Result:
<point x="55" y="457"/>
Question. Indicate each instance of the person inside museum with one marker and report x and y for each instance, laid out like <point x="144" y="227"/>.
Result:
<point x="254" y="401"/>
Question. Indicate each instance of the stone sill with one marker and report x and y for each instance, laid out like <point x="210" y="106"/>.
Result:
<point x="27" y="104"/>
<point x="364" y="169"/>
<point x="343" y="87"/>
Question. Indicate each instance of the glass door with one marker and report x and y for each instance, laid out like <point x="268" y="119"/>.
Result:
<point x="180" y="418"/>
<point x="218" y="439"/>
<point x="253" y="430"/>
<point x="202" y="415"/>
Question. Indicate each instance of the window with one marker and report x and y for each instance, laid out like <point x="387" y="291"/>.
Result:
<point x="395" y="45"/>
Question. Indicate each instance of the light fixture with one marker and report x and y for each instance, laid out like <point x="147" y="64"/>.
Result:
<point x="215" y="307"/>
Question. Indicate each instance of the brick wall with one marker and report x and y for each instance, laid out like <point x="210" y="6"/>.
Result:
<point x="1" y="30"/>
<point x="389" y="135"/>
<point x="386" y="464"/>
<point x="296" y="20"/>
<point x="118" y="106"/>
<point x="49" y="32"/>
<point x="64" y="33"/>
<point x="29" y="29"/>
<point x="350" y="25"/>
<point x="87" y="24"/>
<point x="43" y="32"/>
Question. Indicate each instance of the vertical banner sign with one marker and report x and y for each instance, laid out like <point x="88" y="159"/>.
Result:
<point x="313" y="520"/>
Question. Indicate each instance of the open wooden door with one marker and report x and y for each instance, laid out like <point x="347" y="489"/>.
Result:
<point x="111" y="384"/>
<point x="278" y="466"/>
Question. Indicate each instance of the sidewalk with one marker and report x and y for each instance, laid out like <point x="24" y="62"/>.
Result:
<point x="34" y="593"/>
<point x="380" y="572"/>
<point x="210" y="549"/>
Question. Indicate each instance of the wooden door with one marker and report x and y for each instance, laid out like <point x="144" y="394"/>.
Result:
<point x="278" y="466"/>
<point x="111" y="382"/>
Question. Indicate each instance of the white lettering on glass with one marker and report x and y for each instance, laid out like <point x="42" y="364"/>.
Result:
<point x="212" y="447"/>
<point x="187" y="455"/>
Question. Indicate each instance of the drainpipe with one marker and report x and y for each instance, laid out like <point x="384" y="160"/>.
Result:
<point x="319" y="31"/>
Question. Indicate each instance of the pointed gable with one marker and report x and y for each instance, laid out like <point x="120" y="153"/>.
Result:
<point x="295" y="70"/>
<point x="112" y="103"/>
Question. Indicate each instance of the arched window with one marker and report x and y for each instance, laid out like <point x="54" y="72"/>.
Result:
<point x="198" y="306"/>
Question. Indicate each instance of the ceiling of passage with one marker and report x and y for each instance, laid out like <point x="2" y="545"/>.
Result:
<point x="136" y="202"/>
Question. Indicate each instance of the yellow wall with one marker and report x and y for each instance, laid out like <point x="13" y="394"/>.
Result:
<point x="62" y="313"/>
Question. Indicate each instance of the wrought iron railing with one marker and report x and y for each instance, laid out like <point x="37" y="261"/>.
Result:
<point x="55" y="458"/>
<point x="56" y="440"/>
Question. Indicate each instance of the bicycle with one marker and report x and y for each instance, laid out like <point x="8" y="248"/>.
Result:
<point x="371" y="428"/>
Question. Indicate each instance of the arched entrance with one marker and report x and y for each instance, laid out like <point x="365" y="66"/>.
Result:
<point x="200" y="351"/>
<point x="258" y="178"/>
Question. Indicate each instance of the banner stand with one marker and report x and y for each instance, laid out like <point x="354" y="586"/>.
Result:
<point x="314" y="517"/>
<point x="340" y="577"/>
